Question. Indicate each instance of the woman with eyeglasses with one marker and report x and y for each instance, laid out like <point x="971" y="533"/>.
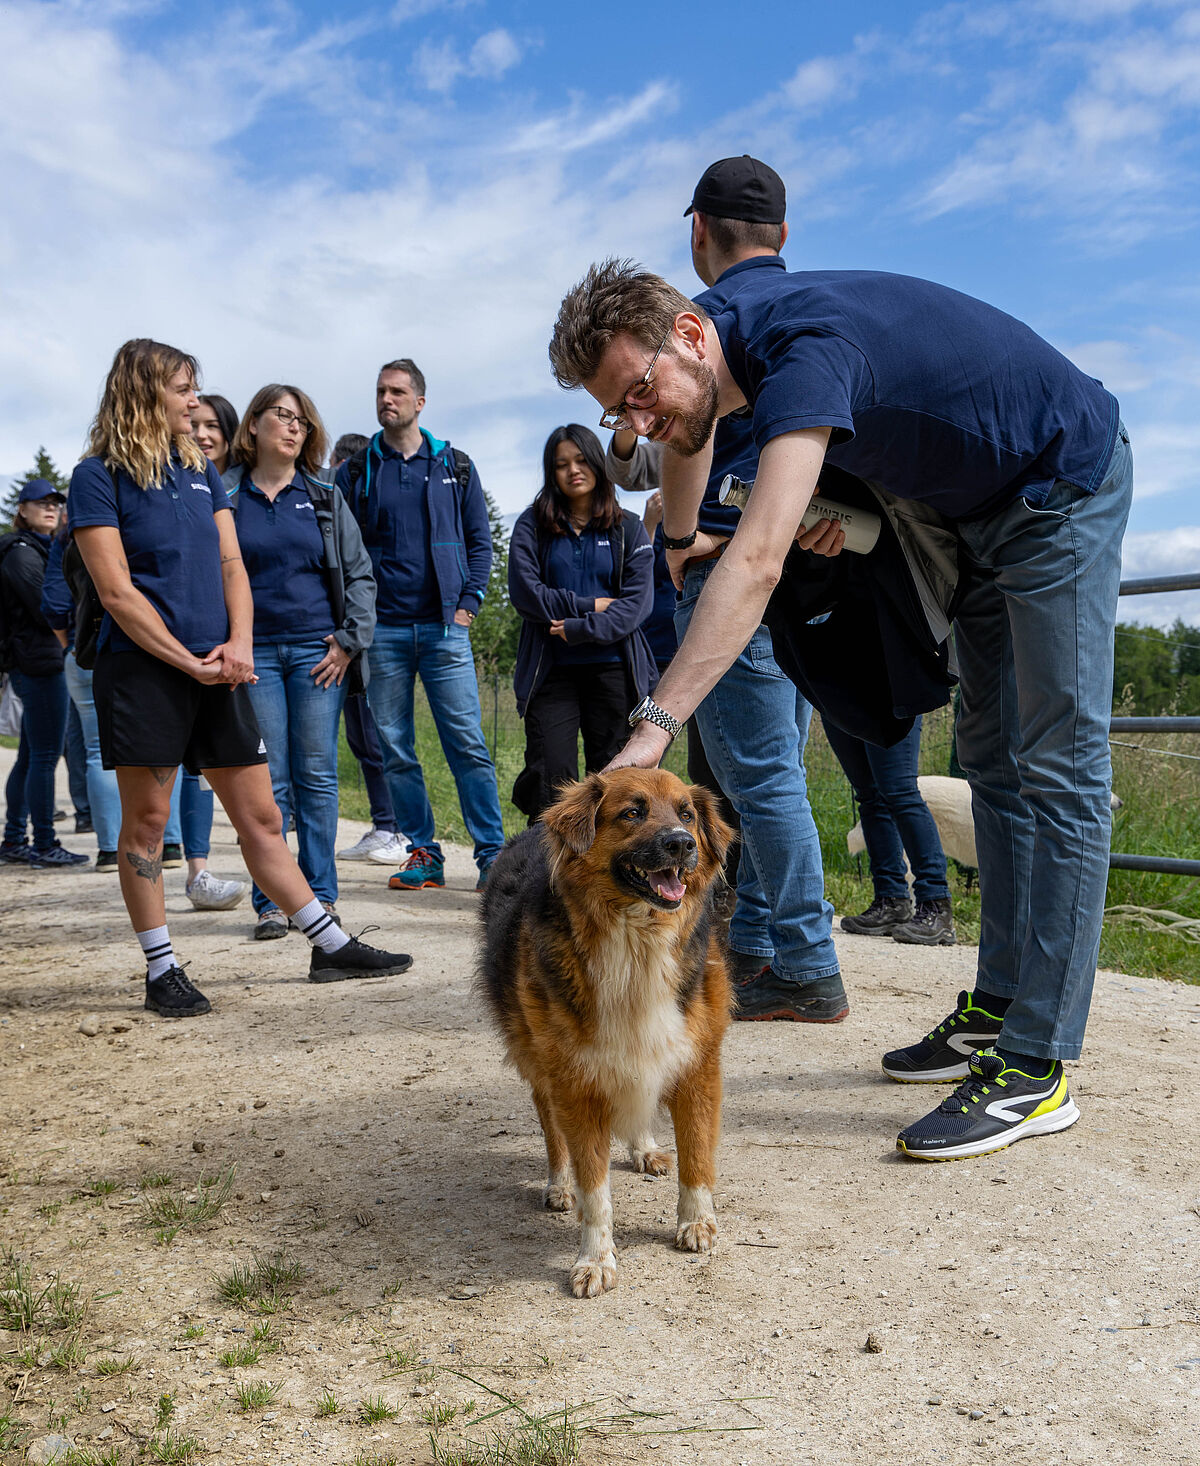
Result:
<point x="581" y="575"/>
<point x="175" y="661"/>
<point x="314" y="617"/>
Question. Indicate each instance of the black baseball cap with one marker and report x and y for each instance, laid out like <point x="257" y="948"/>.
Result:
<point x="740" y="188"/>
<point x="39" y="488"/>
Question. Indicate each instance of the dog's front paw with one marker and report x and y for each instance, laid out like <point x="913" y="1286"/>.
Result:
<point x="697" y="1236"/>
<point x="592" y="1276"/>
<point x="651" y="1162"/>
<point x="558" y="1198"/>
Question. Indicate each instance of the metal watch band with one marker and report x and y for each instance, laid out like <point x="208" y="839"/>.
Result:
<point x="685" y="543"/>
<point x="648" y="711"/>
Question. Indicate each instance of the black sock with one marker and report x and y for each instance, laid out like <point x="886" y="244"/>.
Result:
<point x="1027" y="1063"/>
<point x="990" y="1002"/>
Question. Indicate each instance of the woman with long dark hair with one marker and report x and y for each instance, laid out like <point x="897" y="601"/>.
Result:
<point x="152" y="521"/>
<point x="314" y="615"/>
<point x="581" y="575"/>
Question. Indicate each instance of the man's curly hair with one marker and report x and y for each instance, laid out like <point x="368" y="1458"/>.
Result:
<point x="615" y="297"/>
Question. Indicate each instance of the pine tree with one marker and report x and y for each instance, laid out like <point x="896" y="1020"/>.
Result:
<point x="43" y="467"/>
<point x="497" y="628"/>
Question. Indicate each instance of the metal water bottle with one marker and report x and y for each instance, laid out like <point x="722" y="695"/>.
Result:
<point x="860" y="525"/>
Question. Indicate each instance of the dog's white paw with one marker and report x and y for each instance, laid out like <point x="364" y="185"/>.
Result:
<point x="651" y="1162"/>
<point x="558" y="1198"/>
<point x="697" y="1236"/>
<point x="592" y="1276"/>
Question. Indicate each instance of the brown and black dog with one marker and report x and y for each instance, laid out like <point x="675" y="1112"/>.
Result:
<point x="603" y="967"/>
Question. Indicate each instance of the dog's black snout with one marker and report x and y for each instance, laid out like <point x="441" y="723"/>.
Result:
<point x="679" y="845"/>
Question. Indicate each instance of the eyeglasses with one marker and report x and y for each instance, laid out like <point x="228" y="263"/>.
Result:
<point x="286" y="416"/>
<point x="641" y="396"/>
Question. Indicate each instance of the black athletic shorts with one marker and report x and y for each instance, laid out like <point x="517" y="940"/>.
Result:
<point x="154" y="716"/>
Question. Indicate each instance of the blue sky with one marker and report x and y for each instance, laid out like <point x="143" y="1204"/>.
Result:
<point x="301" y="191"/>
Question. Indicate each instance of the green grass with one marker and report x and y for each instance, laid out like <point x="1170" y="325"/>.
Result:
<point x="374" y="1409"/>
<point x="256" y="1396"/>
<point x="114" y="1365"/>
<point x="173" y="1449"/>
<point x="327" y="1405"/>
<point x="169" y="1211"/>
<point x="56" y="1305"/>
<point x="1161" y="796"/>
<point x="259" y="1285"/>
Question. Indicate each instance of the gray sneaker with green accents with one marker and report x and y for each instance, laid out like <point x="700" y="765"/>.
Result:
<point x="942" y="1056"/>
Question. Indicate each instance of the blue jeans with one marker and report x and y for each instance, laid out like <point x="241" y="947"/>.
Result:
<point x="75" y="753"/>
<point x="441" y="656"/>
<point x="189" y="822"/>
<point x="364" y="745"/>
<point x="895" y="818"/>
<point x="104" y="798"/>
<point x="30" y="788"/>
<point x="1035" y="649"/>
<point x="754" y="725"/>
<point x="299" y="724"/>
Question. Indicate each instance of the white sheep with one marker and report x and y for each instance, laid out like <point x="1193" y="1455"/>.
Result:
<point x="949" y="802"/>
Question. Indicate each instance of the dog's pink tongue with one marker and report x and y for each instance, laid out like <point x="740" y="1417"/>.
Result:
<point x="666" y="883"/>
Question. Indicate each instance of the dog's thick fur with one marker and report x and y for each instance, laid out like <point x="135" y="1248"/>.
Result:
<point x="607" y="978"/>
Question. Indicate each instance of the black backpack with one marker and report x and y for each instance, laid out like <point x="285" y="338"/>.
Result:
<point x="356" y="470"/>
<point x="89" y="612"/>
<point x="7" y="661"/>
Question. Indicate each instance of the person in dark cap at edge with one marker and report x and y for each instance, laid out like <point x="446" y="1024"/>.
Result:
<point x="33" y="658"/>
<point x="754" y="724"/>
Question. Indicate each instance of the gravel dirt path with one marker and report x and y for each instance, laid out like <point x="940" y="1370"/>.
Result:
<point x="1039" y="1305"/>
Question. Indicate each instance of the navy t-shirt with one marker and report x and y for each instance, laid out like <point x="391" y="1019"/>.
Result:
<point x="930" y="394"/>
<point x="404" y="573"/>
<point x="284" y="553"/>
<point x="583" y="563"/>
<point x="170" y="540"/>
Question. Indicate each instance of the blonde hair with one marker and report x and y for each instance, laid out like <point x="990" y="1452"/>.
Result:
<point x="615" y="298"/>
<point x="316" y="443"/>
<point x="130" y="430"/>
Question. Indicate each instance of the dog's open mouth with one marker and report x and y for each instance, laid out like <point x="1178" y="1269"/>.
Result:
<point x="663" y="887"/>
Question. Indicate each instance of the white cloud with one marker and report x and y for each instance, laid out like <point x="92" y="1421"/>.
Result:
<point x="440" y="65"/>
<point x="1146" y="555"/>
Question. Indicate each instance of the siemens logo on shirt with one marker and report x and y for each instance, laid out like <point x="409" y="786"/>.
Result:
<point x="203" y="487"/>
<point x="305" y="505"/>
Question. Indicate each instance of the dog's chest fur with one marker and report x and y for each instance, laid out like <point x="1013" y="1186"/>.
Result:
<point x="639" y="1041"/>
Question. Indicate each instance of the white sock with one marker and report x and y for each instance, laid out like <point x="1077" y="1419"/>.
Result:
<point x="156" y="944"/>
<point x="319" y="927"/>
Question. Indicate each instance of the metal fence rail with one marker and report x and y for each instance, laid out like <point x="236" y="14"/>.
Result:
<point x="1161" y="864"/>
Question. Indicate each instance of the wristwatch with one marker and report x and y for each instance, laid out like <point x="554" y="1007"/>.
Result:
<point x="648" y="711"/>
<point x="685" y="543"/>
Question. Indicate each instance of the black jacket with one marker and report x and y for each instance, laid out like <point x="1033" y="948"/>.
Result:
<point x="871" y="664"/>
<point x="29" y="643"/>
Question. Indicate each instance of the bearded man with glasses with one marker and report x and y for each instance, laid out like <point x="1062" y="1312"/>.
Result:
<point x="948" y="407"/>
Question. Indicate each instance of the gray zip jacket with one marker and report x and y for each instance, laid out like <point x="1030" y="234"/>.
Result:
<point x="351" y="578"/>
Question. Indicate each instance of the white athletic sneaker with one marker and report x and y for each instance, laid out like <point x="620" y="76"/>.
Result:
<point x="208" y="893"/>
<point x="394" y="853"/>
<point x="373" y="840"/>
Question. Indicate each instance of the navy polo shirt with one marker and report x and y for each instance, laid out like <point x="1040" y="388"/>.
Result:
<point x="929" y="393"/>
<point x="584" y="564"/>
<point x="170" y="541"/>
<point x="404" y="574"/>
<point x="284" y="554"/>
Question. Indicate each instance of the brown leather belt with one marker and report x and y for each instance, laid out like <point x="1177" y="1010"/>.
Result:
<point x="700" y="559"/>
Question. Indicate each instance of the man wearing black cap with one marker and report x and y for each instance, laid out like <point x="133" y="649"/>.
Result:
<point x="32" y="656"/>
<point x="754" y="723"/>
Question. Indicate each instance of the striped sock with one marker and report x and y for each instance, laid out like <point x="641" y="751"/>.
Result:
<point x="319" y="927"/>
<point x="156" y="944"/>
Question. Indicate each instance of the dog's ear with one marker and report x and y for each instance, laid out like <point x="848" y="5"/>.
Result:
<point x="572" y="817"/>
<point x="714" y="832"/>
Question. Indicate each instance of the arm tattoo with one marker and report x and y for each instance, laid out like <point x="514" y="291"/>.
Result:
<point x="163" y="776"/>
<point x="150" y="869"/>
<point x="230" y="559"/>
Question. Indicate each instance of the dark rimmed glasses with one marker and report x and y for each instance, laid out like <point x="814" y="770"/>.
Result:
<point x="286" y="416"/>
<point x="641" y="396"/>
